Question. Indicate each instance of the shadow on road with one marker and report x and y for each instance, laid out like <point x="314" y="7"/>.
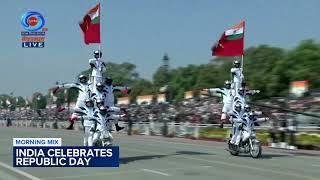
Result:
<point x="270" y="156"/>
<point x="126" y="160"/>
<point x="304" y="154"/>
<point x="192" y="153"/>
<point x="265" y="156"/>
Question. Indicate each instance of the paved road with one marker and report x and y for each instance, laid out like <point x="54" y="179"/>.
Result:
<point x="145" y="158"/>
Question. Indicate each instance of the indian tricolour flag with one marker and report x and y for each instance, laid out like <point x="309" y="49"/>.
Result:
<point x="236" y="32"/>
<point x="90" y="25"/>
<point x="231" y="42"/>
<point x="298" y="88"/>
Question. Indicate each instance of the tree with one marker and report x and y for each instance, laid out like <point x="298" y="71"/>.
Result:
<point x="259" y="63"/>
<point x="21" y="102"/>
<point x="161" y="77"/>
<point x="269" y="69"/>
<point x="141" y="87"/>
<point x="122" y="74"/>
<point x="39" y="101"/>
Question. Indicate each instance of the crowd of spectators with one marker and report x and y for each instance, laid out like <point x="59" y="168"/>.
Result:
<point x="30" y="114"/>
<point x="200" y="110"/>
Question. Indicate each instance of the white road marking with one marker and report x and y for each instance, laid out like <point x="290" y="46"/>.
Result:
<point x="19" y="171"/>
<point x="206" y="166"/>
<point x="155" y="172"/>
<point x="316" y="165"/>
<point x="6" y="175"/>
<point x="217" y="147"/>
<point x="252" y="167"/>
<point x="236" y="165"/>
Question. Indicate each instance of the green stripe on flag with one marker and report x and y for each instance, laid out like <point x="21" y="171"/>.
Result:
<point x="96" y="20"/>
<point x="234" y="37"/>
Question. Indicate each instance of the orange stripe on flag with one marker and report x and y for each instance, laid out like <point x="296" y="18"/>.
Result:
<point x="300" y="83"/>
<point x="238" y="26"/>
<point x="94" y="10"/>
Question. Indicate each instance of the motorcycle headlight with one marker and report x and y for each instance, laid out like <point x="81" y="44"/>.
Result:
<point x="253" y="134"/>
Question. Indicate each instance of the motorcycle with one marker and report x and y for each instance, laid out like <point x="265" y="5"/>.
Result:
<point x="100" y="141"/>
<point x="248" y="141"/>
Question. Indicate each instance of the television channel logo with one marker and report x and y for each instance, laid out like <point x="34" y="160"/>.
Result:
<point x="34" y="32"/>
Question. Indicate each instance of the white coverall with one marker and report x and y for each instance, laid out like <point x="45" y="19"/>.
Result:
<point x="248" y="125"/>
<point x="236" y="123"/>
<point x="96" y="74"/>
<point x="111" y="119"/>
<point x="237" y="78"/>
<point x="89" y="123"/>
<point x="104" y="128"/>
<point x="241" y="99"/>
<point x="99" y="95"/>
<point x="85" y="91"/>
<point x="109" y="101"/>
<point x="102" y="133"/>
<point x="227" y="98"/>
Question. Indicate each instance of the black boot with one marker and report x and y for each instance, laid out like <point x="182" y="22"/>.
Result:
<point x="118" y="128"/>
<point x="70" y="127"/>
<point x="221" y="125"/>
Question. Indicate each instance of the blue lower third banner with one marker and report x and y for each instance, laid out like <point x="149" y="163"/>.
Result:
<point x="66" y="156"/>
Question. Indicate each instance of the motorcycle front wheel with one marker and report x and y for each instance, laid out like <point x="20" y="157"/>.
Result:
<point x="98" y="144"/>
<point x="232" y="151"/>
<point x="256" y="150"/>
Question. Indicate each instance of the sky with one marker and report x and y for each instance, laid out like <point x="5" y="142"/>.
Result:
<point x="140" y="32"/>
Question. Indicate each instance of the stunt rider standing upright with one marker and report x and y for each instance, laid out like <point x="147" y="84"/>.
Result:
<point x="109" y="100"/>
<point x="237" y="76"/>
<point x="97" y="64"/>
<point x="86" y="112"/>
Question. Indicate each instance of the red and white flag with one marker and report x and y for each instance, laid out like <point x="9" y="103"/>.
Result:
<point x="90" y="25"/>
<point x="231" y="42"/>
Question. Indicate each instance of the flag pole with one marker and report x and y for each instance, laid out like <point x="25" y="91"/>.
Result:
<point x="242" y="63"/>
<point x="99" y="47"/>
<point x="242" y="79"/>
<point x="242" y="54"/>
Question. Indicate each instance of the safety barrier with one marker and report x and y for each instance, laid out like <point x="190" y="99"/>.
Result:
<point x="170" y="129"/>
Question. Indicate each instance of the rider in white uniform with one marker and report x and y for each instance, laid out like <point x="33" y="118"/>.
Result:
<point x="99" y="93"/>
<point x="237" y="121"/>
<point x="227" y="98"/>
<point x="85" y="90"/>
<point x="109" y="100"/>
<point x="102" y="126"/>
<point x="97" y="64"/>
<point x="240" y="97"/>
<point x="237" y="76"/>
<point x="87" y="113"/>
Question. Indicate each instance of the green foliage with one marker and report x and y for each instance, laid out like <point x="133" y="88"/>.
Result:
<point x="21" y="102"/>
<point x="39" y="101"/>
<point x="141" y="87"/>
<point x="305" y="139"/>
<point x="72" y="95"/>
<point x="259" y="63"/>
<point x="269" y="69"/>
<point x="161" y="76"/>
